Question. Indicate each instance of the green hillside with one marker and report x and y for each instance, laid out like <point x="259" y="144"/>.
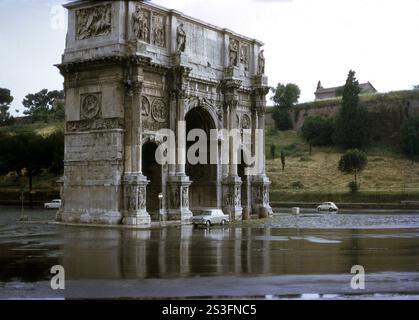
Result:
<point x="388" y="177"/>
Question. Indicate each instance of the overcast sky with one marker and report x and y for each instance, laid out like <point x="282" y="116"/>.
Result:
<point x="306" y="40"/>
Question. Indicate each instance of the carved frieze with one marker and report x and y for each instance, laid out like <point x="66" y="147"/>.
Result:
<point x="90" y="106"/>
<point x="159" y="30"/>
<point x="174" y="200"/>
<point x="261" y="195"/>
<point x="233" y="197"/>
<point x="93" y="22"/>
<point x="141" y="24"/>
<point x="97" y="124"/>
<point x="142" y="198"/>
<point x="185" y="197"/>
<point x="244" y="58"/>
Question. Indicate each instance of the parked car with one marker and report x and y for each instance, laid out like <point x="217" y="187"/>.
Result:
<point x="328" y="206"/>
<point x="54" y="204"/>
<point x="209" y="217"/>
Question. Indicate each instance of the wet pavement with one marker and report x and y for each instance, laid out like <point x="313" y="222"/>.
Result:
<point x="306" y="257"/>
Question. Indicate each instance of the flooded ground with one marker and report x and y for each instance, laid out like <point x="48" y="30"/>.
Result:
<point x="308" y="257"/>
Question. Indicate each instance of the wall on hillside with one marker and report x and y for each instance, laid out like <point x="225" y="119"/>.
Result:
<point x="388" y="112"/>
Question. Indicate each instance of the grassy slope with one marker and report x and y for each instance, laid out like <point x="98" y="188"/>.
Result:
<point x="41" y="128"/>
<point x="386" y="173"/>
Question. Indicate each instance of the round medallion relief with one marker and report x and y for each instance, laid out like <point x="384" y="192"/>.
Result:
<point x="90" y="107"/>
<point x="159" y="111"/>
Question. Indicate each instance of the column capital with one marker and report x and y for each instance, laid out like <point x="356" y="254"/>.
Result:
<point x="133" y="87"/>
<point x="259" y="99"/>
<point x="178" y="77"/>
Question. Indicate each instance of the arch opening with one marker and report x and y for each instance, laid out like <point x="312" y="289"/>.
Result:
<point x="153" y="171"/>
<point x="203" y="191"/>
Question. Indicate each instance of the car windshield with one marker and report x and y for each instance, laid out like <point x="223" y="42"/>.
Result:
<point x="203" y="213"/>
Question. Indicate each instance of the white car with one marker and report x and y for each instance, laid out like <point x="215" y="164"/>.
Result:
<point x="209" y="217"/>
<point x="328" y="206"/>
<point x="54" y="204"/>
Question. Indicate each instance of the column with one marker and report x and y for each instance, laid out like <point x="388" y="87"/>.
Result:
<point x="232" y="182"/>
<point x="134" y="182"/>
<point x="260" y="182"/>
<point x="179" y="183"/>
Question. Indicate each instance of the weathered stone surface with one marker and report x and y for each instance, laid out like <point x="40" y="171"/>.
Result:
<point x="132" y="68"/>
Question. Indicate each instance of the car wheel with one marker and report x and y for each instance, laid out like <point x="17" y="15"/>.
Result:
<point x="331" y="210"/>
<point x="208" y="223"/>
<point x="223" y="222"/>
<point x="318" y="210"/>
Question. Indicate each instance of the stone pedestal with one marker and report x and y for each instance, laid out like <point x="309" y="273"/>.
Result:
<point x="260" y="81"/>
<point x="178" y="198"/>
<point x="260" y="195"/>
<point x="232" y="197"/>
<point x="179" y="59"/>
<point x="135" y="188"/>
<point x="232" y="72"/>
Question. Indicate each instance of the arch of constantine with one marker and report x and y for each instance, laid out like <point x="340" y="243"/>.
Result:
<point x="133" y="68"/>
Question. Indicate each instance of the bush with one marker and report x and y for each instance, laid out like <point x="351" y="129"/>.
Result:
<point x="282" y="119"/>
<point x="353" y="162"/>
<point x="318" y="131"/>
<point x="297" y="185"/>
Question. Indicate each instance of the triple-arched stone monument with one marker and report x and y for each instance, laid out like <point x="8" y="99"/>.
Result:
<point x="133" y="68"/>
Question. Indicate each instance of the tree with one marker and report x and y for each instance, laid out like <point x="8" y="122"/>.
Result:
<point x="5" y="101"/>
<point x="410" y="137"/>
<point x="318" y="131"/>
<point x="43" y="104"/>
<point x="283" y="159"/>
<point x="353" y="162"/>
<point x="273" y="151"/>
<point x="352" y="130"/>
<point x="285" y="97"/>
<point x="30" y="152"/>
<point x="55" y="151"/>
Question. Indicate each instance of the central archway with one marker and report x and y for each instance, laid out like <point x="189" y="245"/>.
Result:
<point x="203" y="190"/>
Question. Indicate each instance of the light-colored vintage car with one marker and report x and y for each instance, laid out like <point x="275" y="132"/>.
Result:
<point x="209" y="217"/>
<point x="328" y="206"/>
<point x="54" y="204"/>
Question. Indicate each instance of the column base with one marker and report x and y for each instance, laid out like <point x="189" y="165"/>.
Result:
<point x="135" y="212"/>
<point x="260" y="196"/>
<point x="178" y="199"/>
<point x="91" y="217"/>
<point x="232" y="198"/>
<point x="138" y="220"/>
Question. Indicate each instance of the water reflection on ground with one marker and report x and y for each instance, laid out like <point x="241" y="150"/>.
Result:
<point x="287" y="245"/>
